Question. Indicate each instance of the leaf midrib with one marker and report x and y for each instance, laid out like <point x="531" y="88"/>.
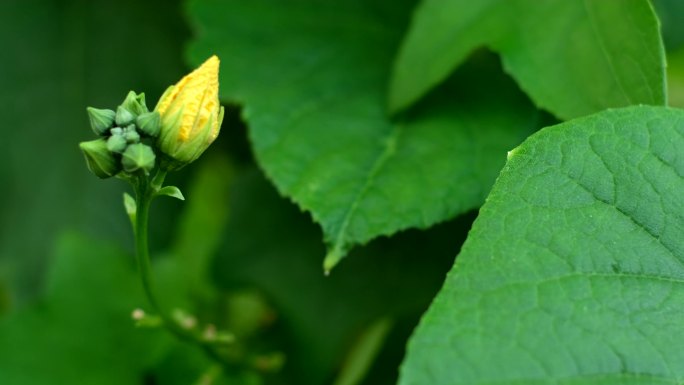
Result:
<point x="388" y="149"/>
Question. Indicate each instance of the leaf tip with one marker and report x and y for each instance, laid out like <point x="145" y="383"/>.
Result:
<point x="511" y="153"/>
<point x="331" y="260"/>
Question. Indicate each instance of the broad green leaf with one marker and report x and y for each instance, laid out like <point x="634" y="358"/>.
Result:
<point x="573" y="271"/>
<point x="312" y="77"/>
<point x="573" y="57"/>
<point x="81" y="332"/>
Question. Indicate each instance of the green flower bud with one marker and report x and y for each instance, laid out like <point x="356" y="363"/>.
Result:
<point x="124" y="116"/>
<point x="100" y="161"/>
<point x="116" y="143"/>
<point x="138" y="157"/>
<point x="100" y="119"/>
<point x="149" y="123"/>
<point x="116" y="131"/>
<point x="131" y="134"/>
<point x="135" y="103"/>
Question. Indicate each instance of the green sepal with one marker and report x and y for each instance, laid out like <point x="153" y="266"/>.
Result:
<point x="149" y="123"/>
<point x="131" y="134"/>
<point x="135" y="103"/>
<point x="171" y="191"/>
<point x="138" y="157"/>
<point x="141" y="101"/>
<point x="100" y="119"/>
<point x="99" y="159"/>
<point x="116" y="143"/>
<point x="331" y="260"/>
<point x="124" y="116"/>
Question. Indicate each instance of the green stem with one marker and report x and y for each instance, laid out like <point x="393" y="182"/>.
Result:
<point x="145" y="193"/>
<point x="143" y="201"/>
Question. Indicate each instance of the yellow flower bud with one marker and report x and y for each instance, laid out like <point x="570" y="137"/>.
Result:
<point x="191" y="114"/>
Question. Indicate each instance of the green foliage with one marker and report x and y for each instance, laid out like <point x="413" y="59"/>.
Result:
<point x="60" y="56"/>
<point x="572" y="272"/>
<point x="573" y="57"/>
<point x="81" y="331"/>
<point x="318" y="121"/>
<point x="274" y="249"/>
<point x="386" y="123"/>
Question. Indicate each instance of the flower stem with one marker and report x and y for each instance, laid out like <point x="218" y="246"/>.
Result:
<point x="144" y="197"/>
<point x="145" y="193"/>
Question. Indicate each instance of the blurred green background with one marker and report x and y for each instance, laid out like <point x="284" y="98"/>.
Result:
<point x="67" y="274"/>
<point x="60" y="56"/>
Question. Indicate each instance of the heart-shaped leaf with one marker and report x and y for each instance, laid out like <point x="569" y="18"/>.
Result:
<point x="573" y="272"/>
<point x="312" y="77"/>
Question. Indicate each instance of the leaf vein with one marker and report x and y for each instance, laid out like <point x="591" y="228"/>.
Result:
<point x="388" y="150"/>
<point x="656" y="237"/>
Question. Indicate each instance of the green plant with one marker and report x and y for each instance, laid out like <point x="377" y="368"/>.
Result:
<point x="535" y="136"/>
<point x="574" y="258"/>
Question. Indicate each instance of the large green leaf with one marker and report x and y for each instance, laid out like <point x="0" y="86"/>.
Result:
<point x="573" y="57"/>
<point x="81" y="332"/>
<point x="312" y="78"/>
<point x="572" y="273"/>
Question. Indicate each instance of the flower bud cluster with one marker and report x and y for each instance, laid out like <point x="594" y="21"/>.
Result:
<point x="186" y="120"/>
<point x="126" y="136"/>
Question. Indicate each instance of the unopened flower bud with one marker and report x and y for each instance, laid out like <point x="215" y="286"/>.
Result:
<point x="124" y="116"/>
<point x="99" y="159"/>
<point x="191" y="114"/>
<point x="149" y="123"/>
<point x="131" y="134"/>
<point x="116" y="143"/>
<point x="138" y="157"/>
<point x="135" y="103"/>
<point x="100" y="120"/>
<point x="116" y="131"/>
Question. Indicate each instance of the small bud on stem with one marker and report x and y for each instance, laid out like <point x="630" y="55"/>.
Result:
<point x="99" y="159"/>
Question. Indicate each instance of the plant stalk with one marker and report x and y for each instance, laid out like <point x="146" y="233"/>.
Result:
<point x="145" y="193"/>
